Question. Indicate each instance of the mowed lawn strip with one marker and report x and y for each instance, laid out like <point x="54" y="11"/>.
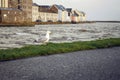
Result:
<point x="56" y="48"/>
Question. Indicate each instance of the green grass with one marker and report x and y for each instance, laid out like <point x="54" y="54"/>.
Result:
<point x="55" y="48"/>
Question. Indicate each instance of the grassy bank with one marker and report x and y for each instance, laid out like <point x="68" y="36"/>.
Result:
<point x="54" y="48"/>
<point x="31" y="24"/>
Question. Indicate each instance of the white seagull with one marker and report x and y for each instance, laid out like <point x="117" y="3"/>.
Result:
<point x="44" y="39"/>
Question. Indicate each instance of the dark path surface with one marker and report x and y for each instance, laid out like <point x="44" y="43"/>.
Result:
<point x="102" y="64"/>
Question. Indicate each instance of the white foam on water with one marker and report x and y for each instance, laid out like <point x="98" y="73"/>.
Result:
<point x="20" y="36"/>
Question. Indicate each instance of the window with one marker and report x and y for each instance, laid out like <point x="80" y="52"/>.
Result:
<point x="5" y="15"/>
<point x="15" y="18"/>
<point x="68" y="14"/>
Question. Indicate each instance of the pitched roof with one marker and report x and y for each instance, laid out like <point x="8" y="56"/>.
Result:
<point x="81" y="12"/>
<point x="60" y="7"/>
<point x="44" y="6"/>
<point x="69" y="9"/>
<point x="75" y="14"/>
<point x="35" y="4"/>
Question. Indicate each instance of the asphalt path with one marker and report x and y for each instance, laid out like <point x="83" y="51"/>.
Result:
<point x="100" y="64"/>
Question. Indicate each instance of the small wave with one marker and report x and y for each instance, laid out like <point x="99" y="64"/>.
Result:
<point x="22" y="34"/>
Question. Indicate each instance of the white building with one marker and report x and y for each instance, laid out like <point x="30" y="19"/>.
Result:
<point x="46" y="15"/>
<point x="81" y="15"/>
<point x="54" y="13"/>
<point x="42" y="13"/>
<point x="35" y="12"/>
<point x="78" y="16"/>
<point x="62" y="12"/>
<point x="69" y="10"/>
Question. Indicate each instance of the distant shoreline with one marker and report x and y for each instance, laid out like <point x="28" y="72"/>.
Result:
<point x="31" y="24"/>
<point x="109" y="21"/>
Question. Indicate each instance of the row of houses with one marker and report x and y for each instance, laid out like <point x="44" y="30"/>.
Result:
<point x="12" y="11"/>
<point x="56" y="13"/>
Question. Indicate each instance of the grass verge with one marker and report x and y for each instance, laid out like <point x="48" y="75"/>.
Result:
<point x="54" y="48"/>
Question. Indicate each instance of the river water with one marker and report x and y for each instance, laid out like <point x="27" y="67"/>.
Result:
<point x="15" y="37"/>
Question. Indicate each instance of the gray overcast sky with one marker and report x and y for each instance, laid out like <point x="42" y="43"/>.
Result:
<point x="94" y="9"/>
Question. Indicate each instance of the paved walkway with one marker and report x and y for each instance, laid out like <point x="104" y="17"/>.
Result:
<point x="101" y="64"/>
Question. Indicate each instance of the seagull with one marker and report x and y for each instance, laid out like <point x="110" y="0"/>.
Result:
<point x="44" y="39"/>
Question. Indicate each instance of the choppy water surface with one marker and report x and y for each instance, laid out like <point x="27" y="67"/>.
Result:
<point x="11" y="37"/>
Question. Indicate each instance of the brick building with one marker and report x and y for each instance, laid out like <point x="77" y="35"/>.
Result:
<point x="10" y="15"/>
<point x="15" y="11"/>
<point x="13" y="3"/>
<point x="26" y="7"/>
